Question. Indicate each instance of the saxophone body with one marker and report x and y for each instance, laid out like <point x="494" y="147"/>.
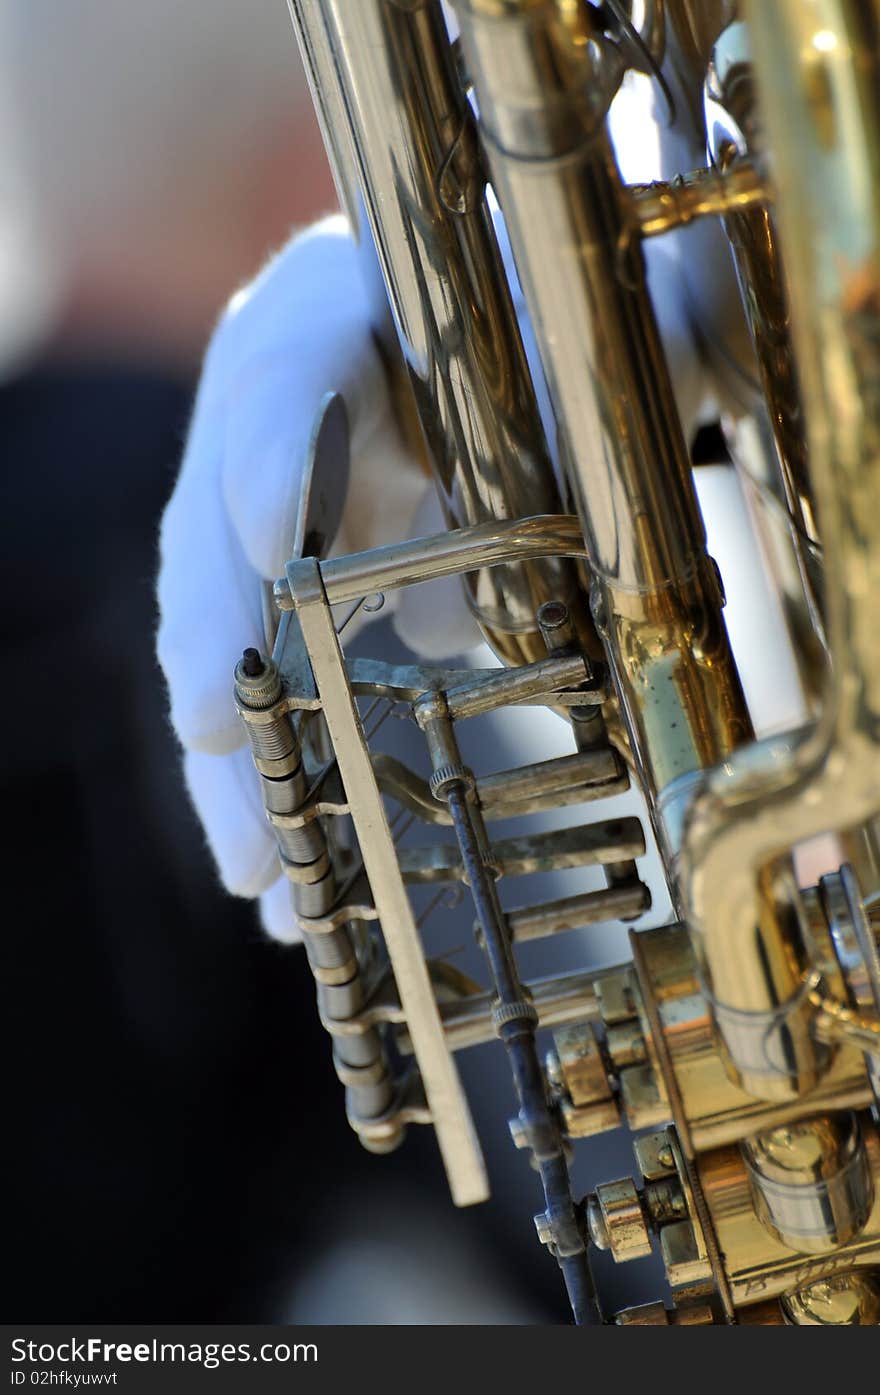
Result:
<point x="741" y="1041"/>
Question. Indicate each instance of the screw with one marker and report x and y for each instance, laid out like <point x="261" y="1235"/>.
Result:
<point x="665" y="1157"/>
<point x="252" y="663"/>
<point x="597" y="1229"/>
<point x="553" y="1069"/>
<point x="556" y="627"/>
<point x="542" y="1226"/>
<point x="518" y="1132"/>
<point x="599" y="608"/>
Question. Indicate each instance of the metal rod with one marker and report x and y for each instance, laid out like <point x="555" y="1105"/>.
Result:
<point x="443" y="554"/>
<point x="515" y="1020"/>
<point x="559" y="999"/>
<point x="514" y="1016"/>
<point x="660" y="207"/>
<point x="449" y="1109"/>
<point x="514" y="685"/>
<point x="621" y="902"/>
<point x="564" y="780"/>
<point x="584" y="845"/>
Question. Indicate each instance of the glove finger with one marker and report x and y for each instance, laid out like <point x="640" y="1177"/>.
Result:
<point x="209" y="596"/>
<point x="304" y="329"/>
<point x="276" y="913"/>
<point x="225" y="792"/>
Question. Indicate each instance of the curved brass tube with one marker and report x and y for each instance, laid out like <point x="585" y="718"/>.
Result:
<point x="818" y="63"/>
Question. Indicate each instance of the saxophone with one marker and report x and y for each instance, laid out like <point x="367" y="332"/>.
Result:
<point x="741" y="1042"/>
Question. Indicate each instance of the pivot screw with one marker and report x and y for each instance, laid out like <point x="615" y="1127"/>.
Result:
<point x="252" y="663"/>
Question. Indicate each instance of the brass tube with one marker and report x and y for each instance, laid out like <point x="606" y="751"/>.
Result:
<point x="410" y="169"/>
<point x="819" y="72"/>
<point x="443" y="554"/>
<point x="544" y="79"/>
<point x="704" y="193"/>
<point x="544" y="76"/>
<point x="811" y="1182"/>
<point x="772" y="457"/>
<point x="757" y="1264"/>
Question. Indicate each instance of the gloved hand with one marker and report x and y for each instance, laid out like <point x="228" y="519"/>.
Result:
<point x="300" y="330"/>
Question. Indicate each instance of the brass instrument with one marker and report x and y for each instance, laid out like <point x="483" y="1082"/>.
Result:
<point x="742" y="1042"/>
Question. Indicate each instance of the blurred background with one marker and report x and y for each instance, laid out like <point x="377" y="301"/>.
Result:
<point x="180" y="1150"/>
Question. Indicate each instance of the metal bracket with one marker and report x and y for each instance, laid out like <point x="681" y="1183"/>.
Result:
<point x="446" y="1100"/>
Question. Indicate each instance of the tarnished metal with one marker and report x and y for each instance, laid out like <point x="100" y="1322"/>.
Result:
<point x="446" y="1102"/>
<point x="586" y="845"/>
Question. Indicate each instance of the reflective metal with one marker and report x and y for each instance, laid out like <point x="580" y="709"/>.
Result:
<point x="445" y="554"/>
<point x="557" y="1000"/>
<point x="623" y="901"/>
<point x="823" y="121"/>
<point x="586" y="845"/>
<point x="733" y="132"/>
<point x="759" y="1265"/>
<point x="811" y="1182"/>
<point x="704" y="193"/>
<point x="544" y="75"/>
<point x="754" y="1033"/>
<point x="844" y="1300"/>
<point x="710" y="1110"/>
<point x="550" y="784"/>
<point x="412" y="172"/>
<point x="448" y="1107"/>
<point x="778" y="481"/>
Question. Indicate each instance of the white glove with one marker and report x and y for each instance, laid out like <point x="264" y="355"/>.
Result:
<point x="300" y="330"/>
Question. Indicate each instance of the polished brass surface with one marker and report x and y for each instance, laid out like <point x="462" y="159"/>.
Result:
<point x="844" y="1300"/>
<point x="734" y="136"/>
<point x="412" y="173"/>
<point x="705" y="193"/>
<point x="811" y="1182"/>
<point x="745" y="1037"/>
<point x="617" y="1221"/>
<point x="835" y="1023"/>
<point x="544" y="75"/>
<point x="856" y="948"/>
<point x="758" y="1265"/>
<point x="773" y="463"/>
<point x="714" y="1110"/>
<point x="444" y="554"/>
<point x="823" y="123"/>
